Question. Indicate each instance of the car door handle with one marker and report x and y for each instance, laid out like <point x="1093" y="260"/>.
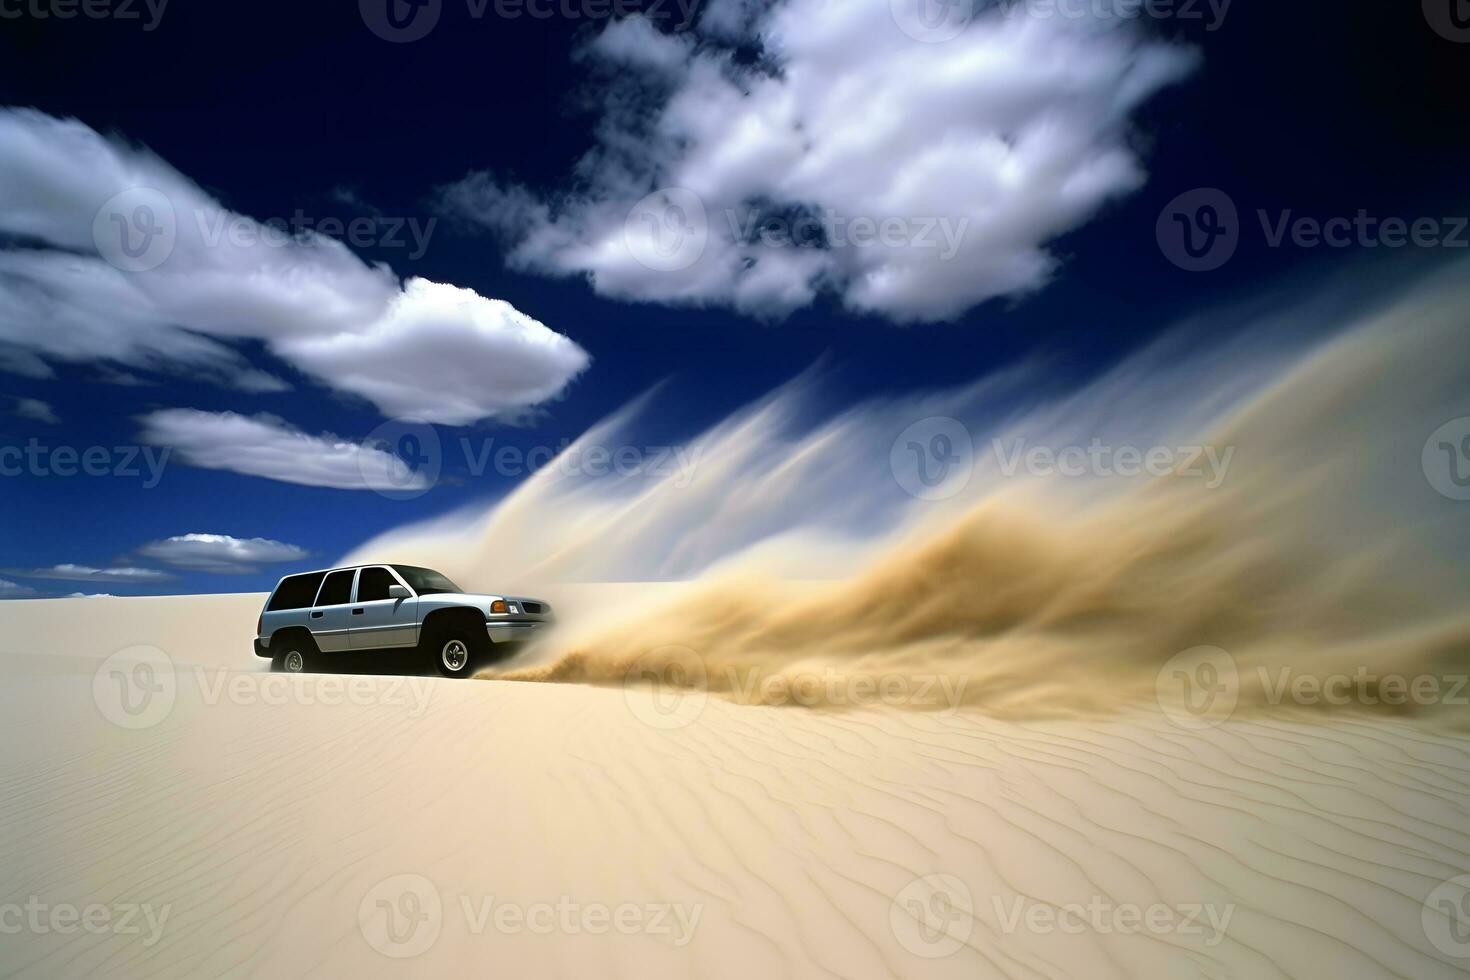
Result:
<point x="316" y="615"/>
<point x="357" y="612"/>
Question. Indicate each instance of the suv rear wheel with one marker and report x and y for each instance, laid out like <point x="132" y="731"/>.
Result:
<point x="294" y="654"/>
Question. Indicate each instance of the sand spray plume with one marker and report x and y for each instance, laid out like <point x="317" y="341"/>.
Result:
<point x="1323" y="551"/>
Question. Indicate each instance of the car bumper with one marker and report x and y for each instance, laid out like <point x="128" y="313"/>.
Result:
<point x="513" y="630"/>
<point x="262" y="647"/>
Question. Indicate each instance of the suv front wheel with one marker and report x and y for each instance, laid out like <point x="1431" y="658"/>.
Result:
<point x="455" y="649"/>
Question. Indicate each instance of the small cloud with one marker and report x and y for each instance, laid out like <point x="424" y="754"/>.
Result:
<point x="126" y="379"/>
<point x="68" y="572"/>
<point x="36" y="410"/>
<point x="220" y="554"/>
<point x="12" y="590"/>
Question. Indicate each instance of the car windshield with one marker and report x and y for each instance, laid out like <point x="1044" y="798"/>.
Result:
<point x="426" y="581"/>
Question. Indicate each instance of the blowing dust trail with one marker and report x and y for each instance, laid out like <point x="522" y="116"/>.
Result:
<point x="1322" y="550"/>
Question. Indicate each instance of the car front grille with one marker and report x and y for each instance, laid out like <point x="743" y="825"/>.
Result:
<point x="535" y="608"/>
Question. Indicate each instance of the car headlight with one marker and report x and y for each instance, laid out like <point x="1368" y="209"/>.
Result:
<point x="498" y="606"/>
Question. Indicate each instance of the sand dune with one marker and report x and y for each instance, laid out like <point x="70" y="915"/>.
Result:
<point x="508" y="825"/>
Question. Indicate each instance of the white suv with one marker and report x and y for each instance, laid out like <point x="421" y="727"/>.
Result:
<point x="387" y="607"/>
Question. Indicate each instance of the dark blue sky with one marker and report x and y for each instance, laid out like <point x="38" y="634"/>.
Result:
<point x="1324" y="109"/>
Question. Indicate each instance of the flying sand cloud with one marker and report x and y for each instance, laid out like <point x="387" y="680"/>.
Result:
<point x="117" y="257"/>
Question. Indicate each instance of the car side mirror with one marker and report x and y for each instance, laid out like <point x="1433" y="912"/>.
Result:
<point x="399" y="592"/>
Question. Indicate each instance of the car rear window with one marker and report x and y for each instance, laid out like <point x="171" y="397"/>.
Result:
<point x="295" y="592"/>
<point x="337" y="590"/>
<point x="373" y="584"/>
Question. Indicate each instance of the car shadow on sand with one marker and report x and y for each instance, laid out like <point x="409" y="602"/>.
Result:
<point x="409" y="663"/>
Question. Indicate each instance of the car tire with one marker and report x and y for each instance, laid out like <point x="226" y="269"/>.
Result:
<point x="294" y="655"/>
<point x="456" y="651"/>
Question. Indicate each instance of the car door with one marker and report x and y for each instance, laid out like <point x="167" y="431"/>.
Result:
<point x="379" y="621"/>
<point x="331" y="616"/>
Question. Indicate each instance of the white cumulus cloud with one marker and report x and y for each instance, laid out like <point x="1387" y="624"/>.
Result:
<point x="266" y="446"/>
<point x="117" y="257"/>
<point x="220" y="554"/>
<point x="909" y="179"/>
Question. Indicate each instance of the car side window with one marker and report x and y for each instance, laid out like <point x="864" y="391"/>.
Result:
<point x="337" y="589"/>
<point x="373" y="583"/>
<point x="295" y="592"/>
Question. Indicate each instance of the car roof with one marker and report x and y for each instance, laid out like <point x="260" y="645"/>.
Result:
<point x="396" y="566"/>
<point x="338" y="568"/>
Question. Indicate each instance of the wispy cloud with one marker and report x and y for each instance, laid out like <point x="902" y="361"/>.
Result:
<point x="14" y="590"/>
<point x="87" y="573"/>
<point x="267" y="446"/>
<point x="35" y="410"/>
